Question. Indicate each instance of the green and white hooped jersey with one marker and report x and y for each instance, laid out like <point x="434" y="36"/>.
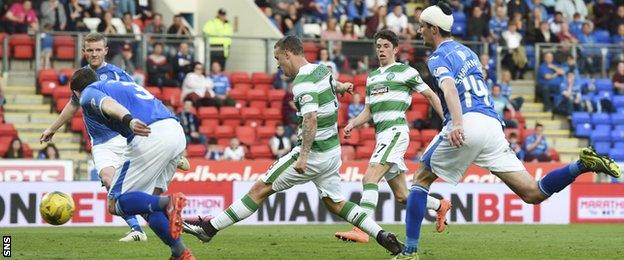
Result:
<point x="314" y="90"/>
<point x="389" y="95"/>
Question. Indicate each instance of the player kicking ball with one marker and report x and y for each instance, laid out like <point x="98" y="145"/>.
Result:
<point x="108" y="146"/>
<point x="317" y="157"/>
<point x="474" y="133"/>
<point x="388" y="96"/>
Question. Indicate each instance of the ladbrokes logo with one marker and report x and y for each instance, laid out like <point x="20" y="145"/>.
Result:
<point x="600" y="208"/>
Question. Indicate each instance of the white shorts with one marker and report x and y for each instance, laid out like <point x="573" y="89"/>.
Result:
<point x="322" y="170"/>
<point x="109" y="154"/>
<point x="484" y="145"/>
<point x="391" y="147"/>
<point x="151" y="161"/>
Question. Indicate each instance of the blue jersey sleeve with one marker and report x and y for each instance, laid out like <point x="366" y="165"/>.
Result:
<point x="91" y="100"/>
<point x="440" y="68"/>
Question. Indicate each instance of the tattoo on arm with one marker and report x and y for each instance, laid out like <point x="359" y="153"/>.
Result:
<point x="309" y="132"/>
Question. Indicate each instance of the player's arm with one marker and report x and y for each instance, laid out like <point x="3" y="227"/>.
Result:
<point x="434" y="100"/>
<point x="346" y="87"/>
<point x="357" y="121"/>
<point x="456" y="136"/>
<point x="113" y="110"/>
<point x="307" y="138"/>
<point x="68" y="112"/>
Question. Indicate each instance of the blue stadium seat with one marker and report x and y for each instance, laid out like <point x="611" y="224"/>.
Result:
<point x="600" y="136"/>
<point x="603" y="128"/>
<point x="459" y="17"/>
<point x="602" y="147"/>
<point x="616" y="154"/>
<point x="602" y="36"/>
<point x="617" y="136"/>
<point x="603" y="85"/>
<point x="619" y="127"/>
<point x="618" y="145"/>
<point x="459" y="28"/>
<point x="617" y="119"/>
<point x="583" y="130"/>
<point x="600" y="118"/>
<point x="618" y="101"/>
<point x="580" y="118"/>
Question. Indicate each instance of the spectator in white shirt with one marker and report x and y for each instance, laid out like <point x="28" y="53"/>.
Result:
<point x="234" y="152"/>
<point x="197" y="87"/>
<point x="516" y="59"/>
<point x="397" y="21"/>
<point x="280" y="144"/>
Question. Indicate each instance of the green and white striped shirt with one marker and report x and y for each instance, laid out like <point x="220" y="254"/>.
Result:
<point x="389" y="95"/>
<point x="314" y="90"/>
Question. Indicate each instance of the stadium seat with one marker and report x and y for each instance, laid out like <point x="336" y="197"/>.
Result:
<point x="156" y="91"/>
<point x="60" y="103"/>
<point x="224" y="131"/>
<point x="207" y="129"/>
<point x="367" y="133"/>
<point x="261" y="78"/>
<point x="459" y="28"/>
<point x="364" y="152"/>
<point x="276" y="94"/>
<point x="600" y="118"/>
<point x="412" y="116"/>
<point x="8" y="130"/>
<point x="459" y="17"/>
<point x="47" y="75"/>
<point x="276" y="104"/>
<point x="223" y="142"/>
<point x="418" y="99"/>
<point x="359" y="80"/>
<point x="22" y="46"/>
<point x="208" y="113"/>
<point x="580" y="118"/>
<point x="172" y="96"/>
<point x="309" y="46"/>
<point x="239" y="77"/>
<point x="342" y="116"/>
<point x="63" y="92"/>
<point x="414" y="135"/>
<point x="428" y="135"/>
<point x="554" y="155"/>
<point x="265" y="132"/>
<point x="28" y="152"/>
<point x="210" y="123"/>
<point x="64" y="47"/>
<point x="257" y="95"/>
<point x="617" y="135"/>
<point x="618" y="145"/>
<point x="261" y="152"/>
<point x="238" y="94"/>
<point x="48" y="87"/>
<point x="246" y="135"/>
<point x="243" y="86"/>
<point x="602" y="147"/>
<point x="617" y="119"/>
<point x="600" y="135"/>
<point x="272" y="116"/>
<point x="265" y="87"/>
<point x="583" y="130"/>
<point x="602" y="36"/>
<point x="422" y="108"/>
<point x="616" y="154"/>
<point x="348" y="153"/>
<point x="251" y="116"/>
<point x="345" y="78"/>
<point x="195" y="150"/>
<point x="230" y="116"/>
<point x="603" y="84"/>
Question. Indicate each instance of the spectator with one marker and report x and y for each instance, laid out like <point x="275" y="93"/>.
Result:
<point x="20" y="18"/>
<point x="517" y="6"/>
<point x="569" y="7"/>
<point x="591" y="59"/>
<point x="477" y="26"/>
<point x="144" y="9"/>
<point x="197" y="87"/>
<point x="488" y="65"/>
<point x="47" y="42"/>
<point x="280" y="81"/>
<point x="376" y="22"/>
<point x="515" y="146"/>
<point x="507" y="89"/>
<point x="576" y="26"/>
<point x="158" y="67"/>
<point x="516" y="59"/>
<point x="571" y="95"/>
<point x="293" y="22"/>
<point x="338" y="9"/>
<point x="129" y="27"/>
<point x="289" y="111"/>
<point x="278" y="21"/>
<point x="49" y="152"/>
<point x="602" y="13"/>
<point x="220" y="31"/>
<point x="280" y="144"/>
<point x="548" y="80"/>
<point x="565" y="36"/>
<point x="16" y="150"/>
<point x="234" y="152"/>
<point x="545" y="35"/>
<point x="75" y="13"/>
<point x="617" y="19"/>
<point x="332" y="32"/>
<point x="124" y="61"/>
<point x="456" y="6"/>
<point x="501" y="104"/>
<point x="414" y="21"/>
<point x="280" y="6"/>
<point x="556" y="22"/>
<point x="156" y="27"/>
<point x="190" y="124"/>
<point x="519" y="21"/>
<point x="95" y="10"/>
<point x="348" y="32"/>
<point x="396" y="21"/>
<point x="182" y="62"/>
<point x="498" y="23"/>
<point x="570" y="65"/>
<point x="619" y="37"/>
<point x="357" y="12"/>
<point x="214" y="152"/>
<point x="178" y="28"/>
<point x="325" y="60"/>
<point x="125" y="6"/>
<point x="537" y="5"/>
<point x="53" y="12"/>
<point x="536" y="147"/>
<point x="618" y="78"/>
<point x="356" y="107"/>
<point x="221" y="84"/>
<point x="484" y="5"/>
<point x="106" y="25"/>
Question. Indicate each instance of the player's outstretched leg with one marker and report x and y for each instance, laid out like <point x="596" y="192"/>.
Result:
<point x="136" y="232"/>
<point x="159" y="223"/>
<point x="355" y="215"/>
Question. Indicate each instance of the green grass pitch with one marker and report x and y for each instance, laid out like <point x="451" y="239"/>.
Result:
<point x="317" y="242"/>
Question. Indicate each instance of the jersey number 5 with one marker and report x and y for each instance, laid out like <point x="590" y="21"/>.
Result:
<point x="142" y="93"/>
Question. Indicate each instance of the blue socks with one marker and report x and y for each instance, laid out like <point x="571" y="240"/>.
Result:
<point x="133" y="222"/>
<point x="135" y="202"/>
<point x="558" y="179"/>
<point x="416" y="209"/>
<point x="159" y="223"/>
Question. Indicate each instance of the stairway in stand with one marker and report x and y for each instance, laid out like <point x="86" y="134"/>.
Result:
<point x="556" y="127"/>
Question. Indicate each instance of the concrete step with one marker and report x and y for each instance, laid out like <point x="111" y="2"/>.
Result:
<point x="34" y="127"/>
<point x="564" y="142"/>
<point x="21" y="117"/>
<point x="568" y="158"/>
<point x="523" y="83"/>
<point x="25" y="99"/>
<point x="76" y="156"/>
<point x="63" y="147"/>
<point x="569" y="150"/>
<point x="548" y="124"/>
<point x="20" y="89"/>
<point x="28" y="108"/>
<point x="522" y="90"/>
<point x="21" y="74"/>
<point x="58" y="138"/>
<point x="544" y="116"/>
<point x="551" y="133"/>
<point x="531" y="107"/>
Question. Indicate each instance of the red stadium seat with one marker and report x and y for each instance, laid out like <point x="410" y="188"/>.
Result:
<point x="77" y="124"/>
<point x="48" y="75"/>
<point x="22" y="46"/>
<point x="553" y="154"/>
<point x="239" y="77"/>
<point x="367" y="133"/>
<point x="272" y="115"/>
<point x="28" y="152"/>
<point x="276" y="104"/>
<point x="195" y="150"/>
<point x="60" y="103"/>
<point x="48" y="87"/>
<point x="261" y="78"/>
<point x="418" y="99"/>
<point x="342" y="116"/>
<point x="8" y="130"/>
<point x="363" y="152"/>
<point x="246" y="135"/>
<point x="62" y="92"/>
<point x="212" y="123"/>
<point x="422" y="108"/>
<point x="238" y="94"/>
<point x="259" y="104"/>
<point x="413" y="116"/>
<point x="224" y="131"/>
<point x="207" y="130"/>
<point x="414" y="135"/>
<point x="311" y="56"/>
<point x="208" y="113"/>
<point x="243" y="86"/>
<point x="156" y="91"/>
<point x="276" y="95"/>
<point x="265" y="87"/>
<point x="261" y="152"/>
<point x="64" y="47"/>
<point x="348" y="153"/>
<point x="68" y="72"/>
<point x="257" y="94"/>
<point x="360" y="80"/>
<point x="310" y="47"/>
<point x="230" y="116"/>
<point x="252" y="116"/>
<point x="171" y="96"/>
<point x="223" y="142"/>
<point x="428" y="135"/>
<point x="265" y="132"/>
<point x="372" y="143"/>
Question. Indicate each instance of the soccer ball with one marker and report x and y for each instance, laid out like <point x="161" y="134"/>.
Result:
<point x="56" y="208"/>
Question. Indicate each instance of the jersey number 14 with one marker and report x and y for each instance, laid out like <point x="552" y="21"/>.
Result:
<point x="474" y="86"/>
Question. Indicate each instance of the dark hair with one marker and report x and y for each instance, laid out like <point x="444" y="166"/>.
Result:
<point x="513" y="135"/>
<point x="445" y="7"/>
<point x="157" y="14"/>
<point x="290" y="43"/>
<point x="95" y="37"/>
<point x="11" y="152"/>
<point x="45" y="151"/>
<point x="82" y="78"/>
<point x="323" y="49"/>
<point x="387" y="35"/>
<point x="126" y="13"/>
<point x="158" y="43"/>
<point x="538" y="125"/>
